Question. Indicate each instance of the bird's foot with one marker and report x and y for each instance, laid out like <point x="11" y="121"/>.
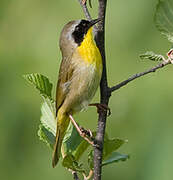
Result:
<point x="86" y="134"/>
<point x="101" y="107"/>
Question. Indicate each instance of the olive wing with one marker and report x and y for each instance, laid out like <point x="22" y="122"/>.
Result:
<point x="64" y="79"/>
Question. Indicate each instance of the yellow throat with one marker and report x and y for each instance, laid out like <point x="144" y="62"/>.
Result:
<point x="89" y="51"/>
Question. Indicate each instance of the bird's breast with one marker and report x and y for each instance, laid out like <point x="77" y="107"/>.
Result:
<point x="86" y="76"/>
<point x="87" y="70"/>
<point x="89" y="52"/>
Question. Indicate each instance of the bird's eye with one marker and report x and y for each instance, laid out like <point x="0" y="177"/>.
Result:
<point x="84" y="24"/>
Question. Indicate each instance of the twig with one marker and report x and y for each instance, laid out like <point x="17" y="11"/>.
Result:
<point x="90" y="174"/>
<point x="85" y="10"/>
<point x="135" y="76"/>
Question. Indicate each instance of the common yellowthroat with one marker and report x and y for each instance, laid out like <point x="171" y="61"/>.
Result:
<point x="79" y="75"/>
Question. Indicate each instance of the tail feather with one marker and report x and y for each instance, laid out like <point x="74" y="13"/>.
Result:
<point x="57" y="148"/>
<point x="60" y="133"/>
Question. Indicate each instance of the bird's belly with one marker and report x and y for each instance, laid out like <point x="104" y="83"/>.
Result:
<point x="84" y="86"/>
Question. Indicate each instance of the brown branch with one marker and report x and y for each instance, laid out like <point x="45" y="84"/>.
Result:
<point x="135" y="76"/>
<point x="104" y="97"/>
<point x="104" y="90"/>
<point x="85" y="9"/>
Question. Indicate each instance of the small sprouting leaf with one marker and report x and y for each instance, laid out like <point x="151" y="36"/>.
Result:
<point x="46" y="136"/>
<point x="70" y="162"/>
<point x="115" y="157"/>
<point x="73" y="143"/>
<point x="164" y="18"/>
<point x="152" y="56"/>
<point x="41" y="83"/>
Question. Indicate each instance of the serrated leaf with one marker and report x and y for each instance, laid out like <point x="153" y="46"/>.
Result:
<point x="164" y="18"/>
<point x="152" y="56"/>
<point x="115" y="157"/>
<point x="73" y="143"/>
<point x="48" y="116"/>
<point x="47" y="128"/>
<point x="41" y="83"/>
<point x="46" y="136"/>
<point x="70" y="162"/>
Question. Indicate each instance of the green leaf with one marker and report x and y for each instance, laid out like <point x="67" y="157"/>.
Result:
<point x="73" y="143"/>
<point x="164" y="18"/>
<point x="111" y="145"/>
<point x="115" y="157"/>
<point x="46" y="136"/>
<point x="48" y="116"/>
<point x="91" y="159"/>
<point x="70" y="162"/>
<point x="73" y="148"/>
<point x="152" y="56"/>
<point x="47" y="128"/>
<point x="41" y="83"/>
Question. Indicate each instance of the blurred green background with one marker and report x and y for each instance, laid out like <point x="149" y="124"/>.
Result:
<point x="141" y="111"/>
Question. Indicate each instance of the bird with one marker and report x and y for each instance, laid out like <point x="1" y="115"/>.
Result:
<point x="79" y="76"/>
